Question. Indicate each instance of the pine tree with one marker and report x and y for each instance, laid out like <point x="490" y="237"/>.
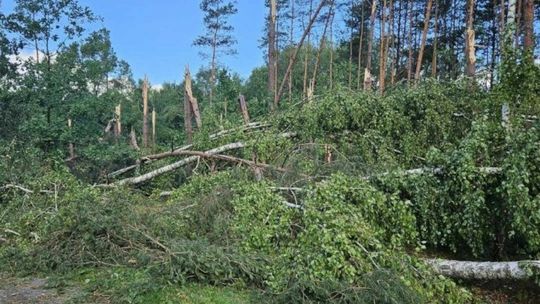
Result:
<point x="218" y="36"/>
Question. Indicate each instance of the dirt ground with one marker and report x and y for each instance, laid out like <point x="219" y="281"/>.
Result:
<point x="29" y="291"/>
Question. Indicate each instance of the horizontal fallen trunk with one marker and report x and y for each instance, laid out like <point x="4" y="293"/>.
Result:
<point x="232" y="159"/>
<point x="150" y="175"/>
<point x="150" y="158"/>
<point x="434" y="171"/>
<point x="516" y="270"/>
<point x="196" y="155"/>
<point x="25" y="190"/>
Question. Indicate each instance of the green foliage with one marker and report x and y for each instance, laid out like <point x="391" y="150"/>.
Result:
<point x="346" y="229"/>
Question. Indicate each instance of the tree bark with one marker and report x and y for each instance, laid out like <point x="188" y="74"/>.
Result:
<point x="145" y="112"/>
<point x="133" y="139"/>
<point x="519" y="11"/>
<point x="382" y="53"/>
<point x="244" y="109"/>
<point x="470" y="49"/>
<point x="193" y="103"/>
<point x="423" y="41"/>
<point x="484" y="270"/>
<point x="154" y="125"/>
<point x="528" y="26"/>
<point x="118" y="120"/>
<point x="367" y="72"/>
<point x="71" y="147"/>
<point x="410" y="41"/>
<point x="307" y="52"/>
<point x="322" y="45"/>
<point x="351" y="5"/>
<point x="187" y="116"/>
<point x="435" y="41"/>
<point x="360" y="44"/>
<point x="291" y="42"/>
<point x="272" y="60"/>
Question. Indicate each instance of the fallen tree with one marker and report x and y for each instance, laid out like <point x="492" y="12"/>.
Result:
<point x="150" y="175"/>
<point x="150" y="158"/>
<point x="25" y="190"/>
<point x="213" y="153"/>
<point x="516" y="270"/>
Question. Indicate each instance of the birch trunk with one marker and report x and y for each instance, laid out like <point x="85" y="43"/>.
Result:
<point x="516" y="270"/>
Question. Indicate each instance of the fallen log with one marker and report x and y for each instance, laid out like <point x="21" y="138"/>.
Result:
<point x="515" y="270"/>
<point x="434" y="171"/>
<point x="149" y="158"/>
<point x="196" y="155"/>
<point x="150" y="175"/>
<point x="25" y="190"/>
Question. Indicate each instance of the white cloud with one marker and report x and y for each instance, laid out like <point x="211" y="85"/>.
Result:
<point x="157" y="87"/>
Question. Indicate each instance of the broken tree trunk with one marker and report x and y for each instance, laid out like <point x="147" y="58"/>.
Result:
<point x="117" y="117"/>
<point x="244" y="109"/>
<point x="154" y="121"/>
<point x="187" y="116"/>
<point x="367" y="71"/>
<point x="145" y="112"/>
<point x="133" y="139"/>
<point x="193" y="104"/>
<point x="516" y="270"/>
<point x="71" y="148"/>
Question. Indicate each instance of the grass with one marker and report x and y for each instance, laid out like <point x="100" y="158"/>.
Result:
<point x="125" y="285"/>
<point x="197" y="294"/>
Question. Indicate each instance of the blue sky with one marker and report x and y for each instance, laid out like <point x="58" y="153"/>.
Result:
<point x="155" y="36"/>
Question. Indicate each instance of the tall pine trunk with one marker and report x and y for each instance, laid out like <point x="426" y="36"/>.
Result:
<point x="470" y="41"/>
<point x="435" y="41"/>
<point x="307" y="51"/>
<point x="291" y="43"/>
<point x="145" y="112"/>
<point x="528" y="26"/>
<point x="367" y="72"/>
<point x="423" y="41"/>
<point x="410" y="41"/>
<point x="272" y="60"/>
<point x="360" y="45"/>
<point x="382" y="53"/>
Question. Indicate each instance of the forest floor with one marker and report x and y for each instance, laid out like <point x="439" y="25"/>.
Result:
<point x="32" y="290"/>
<point x="38" y="291"/>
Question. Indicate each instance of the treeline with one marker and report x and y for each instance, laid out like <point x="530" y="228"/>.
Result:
<point x="383" y="43"/>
